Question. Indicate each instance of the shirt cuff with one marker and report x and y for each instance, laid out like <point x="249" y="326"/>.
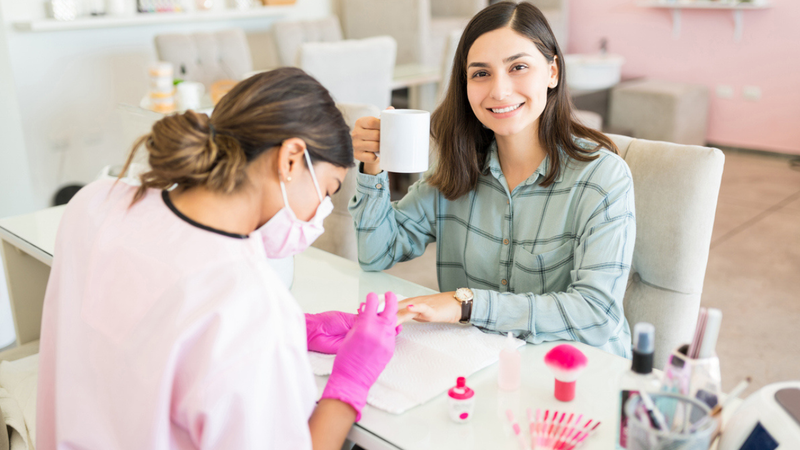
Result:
<point x="372" y="184"/>
<point x="484" y="309"/>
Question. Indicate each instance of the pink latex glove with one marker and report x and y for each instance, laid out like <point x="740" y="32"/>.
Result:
<point x="326" y="331"/>
<point x="364" y="353"/>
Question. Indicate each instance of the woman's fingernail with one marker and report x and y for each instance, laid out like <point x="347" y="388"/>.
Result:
<point x="410" y="306"/>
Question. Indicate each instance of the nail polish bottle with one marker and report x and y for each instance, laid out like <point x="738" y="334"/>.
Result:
<point x="461" y="401"/>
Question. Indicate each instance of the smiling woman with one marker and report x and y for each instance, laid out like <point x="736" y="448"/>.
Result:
<point x="512" y="62"/>
<point x="532" y="213"/>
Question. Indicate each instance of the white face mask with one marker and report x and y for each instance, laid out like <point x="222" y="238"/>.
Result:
<point x="284" y="234"/>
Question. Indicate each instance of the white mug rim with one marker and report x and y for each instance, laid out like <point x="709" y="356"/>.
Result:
<point x="405" y="111"/>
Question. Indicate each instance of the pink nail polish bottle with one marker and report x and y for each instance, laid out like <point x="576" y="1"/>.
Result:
<point x="461" y="401"/>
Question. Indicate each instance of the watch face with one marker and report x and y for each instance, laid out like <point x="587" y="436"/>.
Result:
<point x="464" y="294"/>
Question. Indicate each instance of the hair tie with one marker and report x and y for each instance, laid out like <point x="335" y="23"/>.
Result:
<point x="212" y="130"/>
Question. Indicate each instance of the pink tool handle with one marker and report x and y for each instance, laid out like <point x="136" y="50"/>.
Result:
<point x="565" y="391"/>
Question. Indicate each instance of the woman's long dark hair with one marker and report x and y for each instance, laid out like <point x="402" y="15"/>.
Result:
<point x="258" y="114"/>
<point x="463" y="141"/>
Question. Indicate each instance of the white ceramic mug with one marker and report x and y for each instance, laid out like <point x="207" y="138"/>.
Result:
<point x="405" y="139"/>
<point x="190" y="94"/>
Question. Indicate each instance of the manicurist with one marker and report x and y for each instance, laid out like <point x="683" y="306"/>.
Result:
<point x="164" y="326"/>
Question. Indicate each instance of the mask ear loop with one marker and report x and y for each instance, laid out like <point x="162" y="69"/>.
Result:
<point x="285" y="198"/>
<point x="313" y="176"/>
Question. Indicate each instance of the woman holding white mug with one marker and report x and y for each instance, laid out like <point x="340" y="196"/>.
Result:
<point x="532" y="212"/>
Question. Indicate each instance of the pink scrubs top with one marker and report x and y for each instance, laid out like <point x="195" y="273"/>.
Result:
<point x="159" y="334"/>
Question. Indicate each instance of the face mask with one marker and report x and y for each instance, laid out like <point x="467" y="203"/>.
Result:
<point x="285" y="235"/>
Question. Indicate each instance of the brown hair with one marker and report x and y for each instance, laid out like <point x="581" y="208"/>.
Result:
<point x="463" y="141"/>
<point x="258" y="114"/>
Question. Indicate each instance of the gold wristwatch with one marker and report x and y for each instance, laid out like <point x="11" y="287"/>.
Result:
<point x="465" y="296"/>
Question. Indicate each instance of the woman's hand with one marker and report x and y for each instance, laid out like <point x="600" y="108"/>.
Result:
<point x="367" y="143"/>
<point x="441" y="307"/>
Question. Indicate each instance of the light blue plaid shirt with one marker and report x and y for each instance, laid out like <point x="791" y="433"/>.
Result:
<point x="546" y="263"/>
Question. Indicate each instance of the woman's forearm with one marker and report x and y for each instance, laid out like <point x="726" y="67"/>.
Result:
<point x="387" y="233"/>
<point x="330" y="423"/>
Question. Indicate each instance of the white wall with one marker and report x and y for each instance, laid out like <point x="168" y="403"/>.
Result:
<point x="16" y="194"/>
<point x="68" y="85"/>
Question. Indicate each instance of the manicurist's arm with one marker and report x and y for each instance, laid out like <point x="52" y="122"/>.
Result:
<point x="330" y="423"/>
<point x="360" y="359"/>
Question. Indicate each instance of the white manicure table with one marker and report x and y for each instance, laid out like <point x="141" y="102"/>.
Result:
<point x="327" y="282"/>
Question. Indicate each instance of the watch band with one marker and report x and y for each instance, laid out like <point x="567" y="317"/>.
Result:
<point x="466" y="312"/>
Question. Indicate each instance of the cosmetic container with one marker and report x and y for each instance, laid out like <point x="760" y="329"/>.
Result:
<point x="639" y="378"/>
<point x="509" y="376"/>
<point x="461" y="401"/>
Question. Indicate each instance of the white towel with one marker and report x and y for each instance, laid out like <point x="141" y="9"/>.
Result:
<point x="428" y="358"/>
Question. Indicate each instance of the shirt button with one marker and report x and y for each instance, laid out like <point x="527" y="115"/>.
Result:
<point x="505" y="241"/>
<point x="508" y="202"/>
<point x="504" y="282"/>
<point x="379" y="186"/>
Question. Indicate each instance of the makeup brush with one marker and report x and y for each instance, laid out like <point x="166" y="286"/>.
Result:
<point x="566" y="362"/>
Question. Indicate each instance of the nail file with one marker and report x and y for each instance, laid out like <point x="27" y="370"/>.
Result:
<point x="709" y="342"/>
<point x="694" y="348"/>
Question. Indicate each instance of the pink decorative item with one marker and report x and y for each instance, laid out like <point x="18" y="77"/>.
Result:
<point x="567" y="363"/>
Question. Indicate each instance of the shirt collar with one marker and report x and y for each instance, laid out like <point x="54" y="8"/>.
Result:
<point x="544" y="167"/>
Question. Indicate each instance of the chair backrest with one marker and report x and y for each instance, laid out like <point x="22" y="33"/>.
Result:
<point x="676" y="189"/>
<point x="354" y="71"/>
<point x="206" y="57"/>
<point x="290" y="36"/>
<point x="340" y="231"/>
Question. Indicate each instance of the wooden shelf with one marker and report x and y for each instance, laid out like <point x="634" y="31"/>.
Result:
<point x="737" y="8"/>
<point x="141" y="19"/>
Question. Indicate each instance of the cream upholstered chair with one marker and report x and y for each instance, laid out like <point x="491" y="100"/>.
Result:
<point x="206" y="57"/>
<point x="354" y="71"/>
<point x="676" y="189"/>
<point x="340" y="232"/>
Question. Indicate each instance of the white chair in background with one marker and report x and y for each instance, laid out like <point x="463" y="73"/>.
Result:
<point x="420" y="27"/>
<point x="354" y="71"/>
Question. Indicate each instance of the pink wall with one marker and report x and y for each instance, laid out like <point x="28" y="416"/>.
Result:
<point x="768" y="56"/>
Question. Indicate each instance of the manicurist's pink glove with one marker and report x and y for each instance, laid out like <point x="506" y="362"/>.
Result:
<point x="364" y="353"/>
<point x="326" y="331"/>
